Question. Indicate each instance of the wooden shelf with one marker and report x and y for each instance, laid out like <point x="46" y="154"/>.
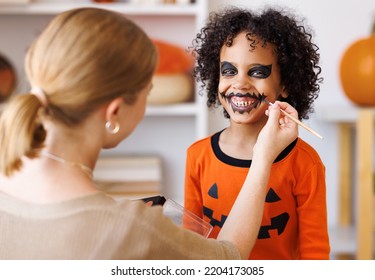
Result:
<point x="183" y="109"/>
<point x="339" y="114"/>
<point x="342" y="241"/>
<point x="362" y="119"/>
<point x="126" y="8"/>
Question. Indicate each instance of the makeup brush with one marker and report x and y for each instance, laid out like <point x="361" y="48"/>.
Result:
<point x="297" y="121"/>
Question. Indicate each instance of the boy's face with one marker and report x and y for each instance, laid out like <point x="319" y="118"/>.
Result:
<point x="247" y="77"/>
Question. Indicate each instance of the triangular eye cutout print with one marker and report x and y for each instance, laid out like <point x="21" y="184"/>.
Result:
<point x="212" y="192"/>
<point x="272" y="196"/>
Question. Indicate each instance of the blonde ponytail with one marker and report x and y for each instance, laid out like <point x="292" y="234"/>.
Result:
<point x="21" y="132"/>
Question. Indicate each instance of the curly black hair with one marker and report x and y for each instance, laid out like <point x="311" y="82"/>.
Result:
<point x="297" y="55"/>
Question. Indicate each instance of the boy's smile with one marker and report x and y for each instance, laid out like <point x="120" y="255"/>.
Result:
<point x="242" y="103"/>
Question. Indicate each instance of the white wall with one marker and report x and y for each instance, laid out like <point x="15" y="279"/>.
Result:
<point x="336" y="25"/>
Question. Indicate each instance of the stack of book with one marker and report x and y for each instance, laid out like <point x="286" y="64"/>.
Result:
<point x="131" y="177"/>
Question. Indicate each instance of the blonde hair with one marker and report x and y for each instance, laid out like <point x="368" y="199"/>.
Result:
<point x="84" y="58"/>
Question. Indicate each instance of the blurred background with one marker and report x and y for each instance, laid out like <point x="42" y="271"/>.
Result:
<point x="169" y="128"/>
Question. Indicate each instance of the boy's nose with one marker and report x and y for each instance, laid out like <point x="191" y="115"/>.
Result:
<point x="242" y="82"/>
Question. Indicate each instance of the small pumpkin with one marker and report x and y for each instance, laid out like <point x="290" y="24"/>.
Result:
<point x="172" y="82"/>
<point x="357" y="71"/>
<point x="173" y="59"/>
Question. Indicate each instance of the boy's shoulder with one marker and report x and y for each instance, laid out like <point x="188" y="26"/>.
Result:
<point x="202" y="144"/>
<point x="206" y="141"/>
<point x="304" y="148"/>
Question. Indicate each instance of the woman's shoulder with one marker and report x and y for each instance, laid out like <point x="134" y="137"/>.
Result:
<point x="127" y="207"/>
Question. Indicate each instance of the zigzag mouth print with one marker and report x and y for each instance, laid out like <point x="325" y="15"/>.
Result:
<point x="243" y="103"/>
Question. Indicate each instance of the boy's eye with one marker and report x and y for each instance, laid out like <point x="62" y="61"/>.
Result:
<point x="228" y="69"/>
<point x="260" y="71"/>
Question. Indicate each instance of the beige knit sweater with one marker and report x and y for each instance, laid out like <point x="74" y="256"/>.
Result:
<point x="97" y="227"/>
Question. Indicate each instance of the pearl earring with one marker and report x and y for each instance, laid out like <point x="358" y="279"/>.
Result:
<point x="110" y="129"/>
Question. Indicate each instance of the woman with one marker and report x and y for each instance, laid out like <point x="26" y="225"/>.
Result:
<point x="90" y="71"/>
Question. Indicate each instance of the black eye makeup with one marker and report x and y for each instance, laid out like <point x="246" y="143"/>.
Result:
<point x="227" y="69"/>
<point x="259" y="71"/>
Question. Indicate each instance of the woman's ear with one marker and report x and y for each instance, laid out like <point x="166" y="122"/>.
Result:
<point x="113" y="109"/>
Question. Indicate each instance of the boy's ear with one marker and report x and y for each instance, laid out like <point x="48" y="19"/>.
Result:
<point x="113" y="109"/>
<point x="284" y="93"/>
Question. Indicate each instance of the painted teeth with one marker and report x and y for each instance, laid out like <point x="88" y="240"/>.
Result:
<point x="242" y="103"/>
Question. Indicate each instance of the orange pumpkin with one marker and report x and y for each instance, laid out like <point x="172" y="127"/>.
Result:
<point x="172" y="82"/>
<point x="357" y="72"/>
<point x="173" y="59"/>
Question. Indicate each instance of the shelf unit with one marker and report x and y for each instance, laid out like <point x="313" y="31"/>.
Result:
<point x="360" y="233"/>
<point x="54" y="7"/>
<point x="167" y="130"/>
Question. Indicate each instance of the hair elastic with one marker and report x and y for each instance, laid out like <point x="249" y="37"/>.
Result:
<point x="39" y="93"/>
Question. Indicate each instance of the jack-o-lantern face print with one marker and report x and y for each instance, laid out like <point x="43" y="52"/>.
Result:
<point x="277" y="223"/>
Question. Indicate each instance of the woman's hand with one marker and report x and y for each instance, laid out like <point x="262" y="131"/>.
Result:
<point x="278" y="132"/>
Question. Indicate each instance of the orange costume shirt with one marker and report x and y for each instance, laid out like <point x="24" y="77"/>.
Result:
<point x="294" y="224"/>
